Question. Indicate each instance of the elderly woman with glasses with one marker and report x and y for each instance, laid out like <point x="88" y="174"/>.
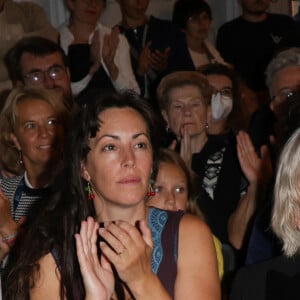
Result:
<point x="184" y="98"/>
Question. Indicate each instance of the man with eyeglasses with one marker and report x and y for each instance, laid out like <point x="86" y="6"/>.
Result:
<point x="280" y="117"/>
<point x="39" y="62"/>
<point x="17" y="20"/>
<point x="283" y="80"/>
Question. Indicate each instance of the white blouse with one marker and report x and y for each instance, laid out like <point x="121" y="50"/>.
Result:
<point x="125" y="80"/>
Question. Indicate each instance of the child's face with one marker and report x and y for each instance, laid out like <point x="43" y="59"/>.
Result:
<point x="170" y="187"/>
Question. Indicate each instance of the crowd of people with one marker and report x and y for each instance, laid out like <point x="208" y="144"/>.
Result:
<point x="131" y="163"/>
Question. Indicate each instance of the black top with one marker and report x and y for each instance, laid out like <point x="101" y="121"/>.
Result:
<point x="276" y="279"/>
<point x="229" y="187"/>
<point x="250" y="46"/>
<point x="162" y="34"/>
<point x="80" y="64"/>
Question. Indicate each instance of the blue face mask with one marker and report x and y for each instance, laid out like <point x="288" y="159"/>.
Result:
<point x="221" y="106"/>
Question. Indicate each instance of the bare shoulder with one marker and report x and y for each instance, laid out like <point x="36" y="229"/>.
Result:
<point x="197" y="276"/>
<point x="46" y="280"/>
<point x="194" y="225"/>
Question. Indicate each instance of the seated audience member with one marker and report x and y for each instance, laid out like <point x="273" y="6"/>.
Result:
<point x="226" y="113"/>
<point x="278" y="278"/>
<point x="111" y="157"/>
<point x="250" y="41"/>
<point x="32" y="123"/>
<point x="98" y="56"/>
<point x="17" y="20"/>
<point x="155" y="45"/>
<point x="173" y="190"/>
<point x="39" y="62"/>
<point x="263" y="244"/>
<point x="184" y="98"/>
<point x="194" y="19"/>
<point x="282" y="78"/>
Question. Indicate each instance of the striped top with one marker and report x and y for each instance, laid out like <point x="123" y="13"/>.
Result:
<point x="27" y="199"/>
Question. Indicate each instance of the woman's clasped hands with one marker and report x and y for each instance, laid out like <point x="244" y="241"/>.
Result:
<point x="125" y="247"/>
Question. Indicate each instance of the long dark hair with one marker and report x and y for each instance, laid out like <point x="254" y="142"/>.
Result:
<point x="56" y="223"/>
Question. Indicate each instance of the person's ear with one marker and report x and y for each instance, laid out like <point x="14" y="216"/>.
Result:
<point x="165" y="116"/>
<point x="15" y="141"/>
<point x="84" y="172"/>
<point x="271" y="105"/>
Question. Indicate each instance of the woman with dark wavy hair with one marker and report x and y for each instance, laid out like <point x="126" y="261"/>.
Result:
<point x="154" y="254"/>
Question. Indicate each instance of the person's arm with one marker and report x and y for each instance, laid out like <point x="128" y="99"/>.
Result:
<point x="46" y="280"/>
<point x="197" y="276"/>
<point x="4" y="249"/>
<point x="258" y="171"/>
<point x="8" y="226"/>
<point x="125" y="78"/>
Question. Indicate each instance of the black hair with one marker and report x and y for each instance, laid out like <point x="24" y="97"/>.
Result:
<point x="34" y="45"/>
<point x="221" y="69"/>
<point x="238" y="118"/>
<point x="57" y="222"/>
<point x="184" y="9"/>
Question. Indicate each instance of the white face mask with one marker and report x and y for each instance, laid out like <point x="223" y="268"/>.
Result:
<point x="221" y="106"/>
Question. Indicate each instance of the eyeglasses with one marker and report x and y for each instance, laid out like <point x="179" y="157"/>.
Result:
<point x="283" y="95"/>
<point x="55" y="72"/>
<point x="197" y="18"/>
<point x="224" y="92"/>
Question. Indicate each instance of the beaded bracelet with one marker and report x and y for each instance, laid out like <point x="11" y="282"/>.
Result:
<point x="10" y="239"/>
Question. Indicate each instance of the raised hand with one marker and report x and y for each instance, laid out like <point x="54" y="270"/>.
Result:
<point x="144" y="60"/>
<point x="95" y="53"/>
<point x="185" y="147"/>
<point x="4" y="248"/>
<point x="257" y="169"/>
<point x="129" y="249"/>
<point x="7" y="224"/>
<point x="159" y="60"/>
<point x="110" y="45"/>
<point x="97" y="275"/>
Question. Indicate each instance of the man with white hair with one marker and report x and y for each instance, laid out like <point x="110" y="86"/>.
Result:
<point x="282" y="80"/>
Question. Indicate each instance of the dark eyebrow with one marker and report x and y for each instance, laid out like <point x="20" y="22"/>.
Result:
<point x="139" y="134"/>
<point x="115" y="137"/>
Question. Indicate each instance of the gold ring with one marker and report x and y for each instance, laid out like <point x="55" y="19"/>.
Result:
<point x="121" y="252"/>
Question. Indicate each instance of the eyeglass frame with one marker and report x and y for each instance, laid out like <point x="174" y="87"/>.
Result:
<point x="223" y="93"/>
<point x="29" y="76"/>
<point x="285" y="94"/>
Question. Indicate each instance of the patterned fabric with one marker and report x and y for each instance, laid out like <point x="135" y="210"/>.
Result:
<point x="212" y="171"/>
<point x="165" y="227"/>
<point x="29" y="197"/>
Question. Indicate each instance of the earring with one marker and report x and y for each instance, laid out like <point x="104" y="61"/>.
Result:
<point x="206" y="125"/>
<point x="20" y="158"/>
<point x="151" y="192"/>
<point x="89" y="190"/>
